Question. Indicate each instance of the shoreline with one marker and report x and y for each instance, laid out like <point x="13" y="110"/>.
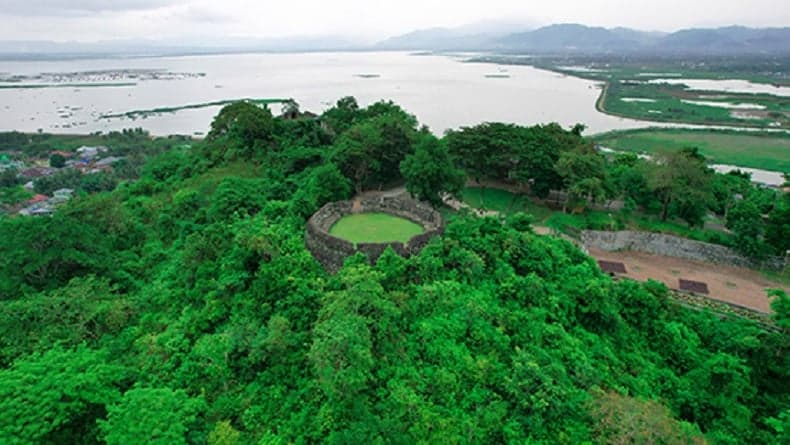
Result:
<point x="600" y="103"/>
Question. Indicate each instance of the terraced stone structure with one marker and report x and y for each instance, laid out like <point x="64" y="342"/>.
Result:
<point x="332" y="251"/>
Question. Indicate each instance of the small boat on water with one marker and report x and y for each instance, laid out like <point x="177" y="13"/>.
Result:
<point x="498" y="76"/>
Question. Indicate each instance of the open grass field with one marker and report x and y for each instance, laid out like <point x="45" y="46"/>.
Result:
<point x="507" y="203"/>
<point x="503" y="201"/>
<point x="375" y="228"/>
<point x="763" y="151"/>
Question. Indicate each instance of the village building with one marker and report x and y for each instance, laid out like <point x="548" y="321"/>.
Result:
<point x="64" y="192"/>
<point x="62" y="195"/>
<point x="37" y="172"/>
<point x="41" y="209"/>
<point x="65" y="154"/>
<point x="107" y="162"/>
<point x="88" y="154"/>
<point x="37" y="199"/>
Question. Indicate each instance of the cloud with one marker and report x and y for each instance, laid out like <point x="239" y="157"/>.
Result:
<point x="56" y="8"/>
<point x="201" y="14"/>
<point x="87" y="20"/>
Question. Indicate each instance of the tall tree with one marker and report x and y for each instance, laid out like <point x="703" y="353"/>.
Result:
<point x="370" y="151"/>
<point x="57" y="161"/>
<point x="746" y="221"/>
<point x="430" y="173"/>
<point x="241" y="130"/>
<point x="777" y="230"/>
<point x="681" y="181"/>
<point x="483" y="151"/>
<point x="584" y="174"/>
<point x="355" y="156"/>
<point x="536" y="154"/>
<point x="340" y="117"/>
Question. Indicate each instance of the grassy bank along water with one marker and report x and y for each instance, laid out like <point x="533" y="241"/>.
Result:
<point x="219" y="103"/>
<point x="766" y="151"/>
<point x="28" y="86"/>
<point x="654" y="91"/>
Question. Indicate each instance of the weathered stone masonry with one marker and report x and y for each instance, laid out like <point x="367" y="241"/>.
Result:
<point x="673" y="246"/>
<point x="332" y="251"/>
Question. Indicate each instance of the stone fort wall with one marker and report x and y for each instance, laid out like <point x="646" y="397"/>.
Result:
<point x="332" y="251"/>
<point x="673" y="246"/>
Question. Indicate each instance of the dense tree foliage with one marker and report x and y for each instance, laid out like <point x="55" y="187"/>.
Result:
<point x="57" y="161"/>
<point x="525" y="155"/>
<point x="64" y="179"/>
<point x="547" y="160"/>
<point x="184" y="307"/>
<point x="430" y="173"/>
<point x="370" y="151"/>
<point x="9" y="177"/>
<point x="682" y="181"/>
<point x="778" y="226"/>
<point x="241" y="131"/>
<point x="152" y="416"/>
<point x="584" y="176"/>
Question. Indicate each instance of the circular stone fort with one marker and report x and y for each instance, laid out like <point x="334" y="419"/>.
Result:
<point x="370" y="225"/>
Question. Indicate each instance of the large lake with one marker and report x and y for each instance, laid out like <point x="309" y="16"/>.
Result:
<point x="442" y="91"/>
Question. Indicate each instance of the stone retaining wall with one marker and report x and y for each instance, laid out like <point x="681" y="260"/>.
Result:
<point x="332" y="251"/>
<point x="673" y="246"/>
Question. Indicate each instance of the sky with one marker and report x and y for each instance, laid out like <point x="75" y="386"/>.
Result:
<point x="91" y="20"/>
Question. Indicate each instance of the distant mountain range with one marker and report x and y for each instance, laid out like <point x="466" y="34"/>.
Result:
<point x="581" y="39"/>
<point x="478" y="36"/>
<point x="485" y="36"/>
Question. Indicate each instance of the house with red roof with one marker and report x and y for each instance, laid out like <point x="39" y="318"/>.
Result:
<point x="38" y="199"/>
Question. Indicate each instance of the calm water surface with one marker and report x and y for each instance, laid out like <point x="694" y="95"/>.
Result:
<point x="443" y="92"/>
<point x="729" y="86"/>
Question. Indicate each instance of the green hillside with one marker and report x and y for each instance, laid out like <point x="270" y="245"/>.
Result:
<point x="182" y="307"/>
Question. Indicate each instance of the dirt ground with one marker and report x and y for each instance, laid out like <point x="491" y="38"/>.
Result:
<point x="731" y="284"/>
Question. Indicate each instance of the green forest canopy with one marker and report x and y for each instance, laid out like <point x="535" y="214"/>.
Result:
<point x="183" y="307"/>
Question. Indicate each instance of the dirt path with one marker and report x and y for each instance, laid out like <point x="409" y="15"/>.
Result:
<point x="389" y="193"/>
<point x="740" y="286"/>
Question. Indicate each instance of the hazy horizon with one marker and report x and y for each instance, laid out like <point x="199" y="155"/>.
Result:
<point x="358" y="20"/>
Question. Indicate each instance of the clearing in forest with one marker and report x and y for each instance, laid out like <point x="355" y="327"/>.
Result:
<point x="375" y="228"/>
<point x="735" y="285"/>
